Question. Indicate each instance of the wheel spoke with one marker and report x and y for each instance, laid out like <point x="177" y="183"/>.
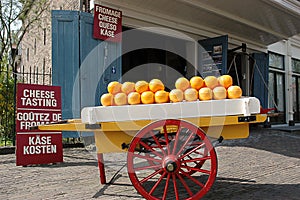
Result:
<point x="196" y="159"/>
<point x="197" y="169"/>
<point x="176" y="139"/>
<point x="157" y="142"/>
<point x="147" y="157"/>
<point x="196" y="143"/>
<point x="166" y="137"/>
<point x="184" y="184"/>
<point x="155" y="167"/>
<point x="157" y="183"/>
<point x="191" y="159"/>
<point x="192" y="178"/>
<point x="184" y="145"/>
<point x="166" y="187"/>
<point x="191" y="151"/>
<point x="175" y="186"/>
<point x="186" y="166"/>
<point x="151" y="149"/>
<point x="152" y="175"/>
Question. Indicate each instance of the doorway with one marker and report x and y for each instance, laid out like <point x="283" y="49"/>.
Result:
<point x="148" y="55"/>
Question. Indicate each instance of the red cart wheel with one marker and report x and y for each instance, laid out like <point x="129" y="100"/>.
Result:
<point x="171" y="159"/>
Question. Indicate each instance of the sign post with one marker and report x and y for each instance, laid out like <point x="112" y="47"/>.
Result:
<point x="37" y="105"/>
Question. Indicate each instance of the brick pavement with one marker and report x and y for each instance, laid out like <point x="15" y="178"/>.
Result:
<point x="264" y="166"/>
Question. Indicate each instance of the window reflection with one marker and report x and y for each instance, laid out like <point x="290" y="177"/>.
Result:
<point x="276" y="61"/>
<point x="296" y="65"/>
<point x="271" y="90"/>
<point x="280" y="92"/>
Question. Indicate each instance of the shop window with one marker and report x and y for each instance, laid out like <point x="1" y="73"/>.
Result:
<point x="166" y="63"/>
<point x="276" y="61"/>
<point x="296" y="89"/>
<point x="276" y="96"/>
<point x="296" y="65"/>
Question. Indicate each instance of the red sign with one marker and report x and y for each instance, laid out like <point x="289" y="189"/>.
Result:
<point x="107" y="24"/>
<point x="37" y="105"/>
<point x="27" y="118"/>
<point x="38" y="96"/>
<point x="39" y="148"/>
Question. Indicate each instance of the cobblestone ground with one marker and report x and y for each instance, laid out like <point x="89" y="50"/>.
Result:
<point x="264" y="166"/>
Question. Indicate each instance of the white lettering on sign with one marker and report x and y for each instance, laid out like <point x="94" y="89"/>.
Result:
<point x="107" y="26"/>
<point x="56" y="117"/>
<point x="107" y="22"/>
<point x="107" y="33"/>
<point x="33" y="116"/>
<point x="38" y="98"/>
<point x="39" y="140"/>
<point x="43" y="94"/>
<point x="107" y="11"/>
<point x="44" y="149"/>
<point x="39" y="145"/>
<point x="38" y="102"/>
<point x="25" y="125"/>
<point x="109" y="19"/>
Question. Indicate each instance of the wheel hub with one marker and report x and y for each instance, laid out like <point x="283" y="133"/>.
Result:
<point x="170" y="164"/>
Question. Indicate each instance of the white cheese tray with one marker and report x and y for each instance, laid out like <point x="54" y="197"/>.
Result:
<point x="242" y="106"/>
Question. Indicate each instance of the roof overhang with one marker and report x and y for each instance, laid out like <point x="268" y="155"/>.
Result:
<point x="260" y="22"/>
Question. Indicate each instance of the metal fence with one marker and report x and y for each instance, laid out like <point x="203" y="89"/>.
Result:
<point x="34" y="75"/>
<point x="8" y="82"/>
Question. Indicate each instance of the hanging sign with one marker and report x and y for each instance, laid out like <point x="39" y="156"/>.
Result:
<point x="37" y="105"/>
<point x="107" y="24"/>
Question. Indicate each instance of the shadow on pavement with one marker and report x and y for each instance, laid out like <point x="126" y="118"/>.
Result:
<point x="64" y="164"/>
<point x="112" y="182"/>
<point x="223" y="188"/>
<point x="3" y="162"/>
<point x="275" y="141"/>
<point x="227" y="188"/>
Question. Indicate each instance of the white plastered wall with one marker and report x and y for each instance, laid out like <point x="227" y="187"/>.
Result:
<point x="289" y="49"/>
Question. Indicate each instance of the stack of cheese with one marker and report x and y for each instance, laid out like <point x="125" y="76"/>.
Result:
<point x="143" y="92"/>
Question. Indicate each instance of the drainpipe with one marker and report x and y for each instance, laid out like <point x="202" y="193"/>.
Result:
<point x="81" y="5"/>
<point x="86" y="4"/>
<point x="245" y="70"/>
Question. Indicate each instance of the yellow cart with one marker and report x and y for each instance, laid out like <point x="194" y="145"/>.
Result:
<point x="170" y="147"/>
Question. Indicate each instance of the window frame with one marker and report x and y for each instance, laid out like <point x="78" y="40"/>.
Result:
<point x="273" y="67"/>
<point x="282" y="72"/>
<point x="294" y="71"/>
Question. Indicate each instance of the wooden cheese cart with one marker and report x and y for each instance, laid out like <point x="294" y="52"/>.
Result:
<point x="170" y="147"/>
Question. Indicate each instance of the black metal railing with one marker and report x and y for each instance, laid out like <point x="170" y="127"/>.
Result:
<point x="8" y="82"/>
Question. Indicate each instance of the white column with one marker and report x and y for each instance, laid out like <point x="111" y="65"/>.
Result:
<point x="288" y="82"/>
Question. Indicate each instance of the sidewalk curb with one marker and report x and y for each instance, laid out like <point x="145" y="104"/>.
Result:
<point x="7" y="150"/>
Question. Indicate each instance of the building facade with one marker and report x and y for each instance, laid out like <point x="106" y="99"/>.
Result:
<point x="271" y="28"/>
<point x="284" y="63"/>
<point x="36" y="46"/>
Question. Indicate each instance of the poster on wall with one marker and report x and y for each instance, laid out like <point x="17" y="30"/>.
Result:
<point x="37" y="105"/>
<point x="213" y="56"/>
<point x="107" y="24"/>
